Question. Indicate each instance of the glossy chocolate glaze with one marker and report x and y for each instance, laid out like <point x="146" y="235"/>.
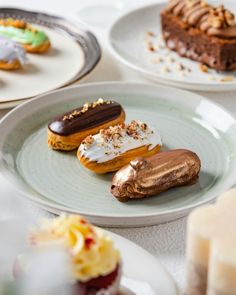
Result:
<point x="153" y="175"/>
<point x="93" y="117"/>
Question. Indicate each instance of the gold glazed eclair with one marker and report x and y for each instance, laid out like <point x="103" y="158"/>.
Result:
<point x="112" y="148"/>
<point x="33" y="40"/>
<point x="148" y="177"/>
<point x="67" y="131"/>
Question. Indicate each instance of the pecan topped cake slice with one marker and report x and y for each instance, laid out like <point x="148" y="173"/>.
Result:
<point x="201" y="32"/>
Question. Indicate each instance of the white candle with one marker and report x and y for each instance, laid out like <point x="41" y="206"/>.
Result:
<point x="201" y="228"/>
<point x="222" y="267"/>
<point x="227" y="199"/>
<point x="205" y="225"/>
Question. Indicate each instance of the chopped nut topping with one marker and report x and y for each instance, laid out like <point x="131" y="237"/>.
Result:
<point x="190" y="3"/>
<point x="230" y="19"/>
<point x="116" y="146"/>
<point x="204" y="4"/>
<point x="150" y="33"/>
<point x="179" y="67"/>
<point x="203" y="68"/>
<point x="157" y="60"/>
<point x="150" y="47"/>
<point x="88" y="141"/>
<point x="85" y="108"/>
<point x="170" y="59"/>
<point x="220" y="17"/>
<point x="227" y="79"/>
<point x="143" y="126"/>
<point x="132" y="129"/>
<point x="165" y="69"/>
<point x="115" y="135"/>
<point x="156" y="47"/>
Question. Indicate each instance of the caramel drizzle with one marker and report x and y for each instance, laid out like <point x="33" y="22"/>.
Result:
<point x="216" y="21"/>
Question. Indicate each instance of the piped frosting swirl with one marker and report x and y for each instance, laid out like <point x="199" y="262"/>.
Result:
<point x="91" y="249"/>
<point x="215" y="21"/>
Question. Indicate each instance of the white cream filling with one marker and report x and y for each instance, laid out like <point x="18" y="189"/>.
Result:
<point x="10" y="51"/>
<point x="100" y="151"/>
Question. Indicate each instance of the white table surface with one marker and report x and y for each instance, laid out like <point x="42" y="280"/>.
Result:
<point x="166" y="241"/>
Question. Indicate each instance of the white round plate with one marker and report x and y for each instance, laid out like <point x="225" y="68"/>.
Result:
<point x="74" y="54"/>
<point x="129" y="42"/>
<point x="57" y="181"/>
<point x="151" y="272"/>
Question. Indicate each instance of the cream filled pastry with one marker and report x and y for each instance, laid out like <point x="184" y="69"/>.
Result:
<point x="96" y="263"/>
<point x="114" y="147"/>
<point x="148" y="177"/>
<point x="33" y="40"/>
<point x="12" y="55"/>
<point x="68" y="130"/>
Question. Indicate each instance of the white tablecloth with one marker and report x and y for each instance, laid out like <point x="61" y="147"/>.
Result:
<point x="166" y="241"/>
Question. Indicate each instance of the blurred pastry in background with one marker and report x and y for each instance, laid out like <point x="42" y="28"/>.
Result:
<point x="12" y="55"/>
<point x="32" y="39"/>
<point x="114" y="147"/>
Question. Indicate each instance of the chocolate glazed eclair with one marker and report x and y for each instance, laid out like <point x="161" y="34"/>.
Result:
<point x="67" y="131"/>
<point x="148" y="177"/>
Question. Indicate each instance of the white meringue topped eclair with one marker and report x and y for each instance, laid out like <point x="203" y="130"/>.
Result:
<point x="114" y="147"/>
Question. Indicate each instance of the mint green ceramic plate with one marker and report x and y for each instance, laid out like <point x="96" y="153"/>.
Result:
<point x="58" y="182"/>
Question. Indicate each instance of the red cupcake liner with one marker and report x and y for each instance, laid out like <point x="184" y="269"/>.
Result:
<point x="103" y="285"/>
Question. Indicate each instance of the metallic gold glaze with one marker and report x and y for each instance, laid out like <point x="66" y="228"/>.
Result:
<point x="151" y="176"/>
